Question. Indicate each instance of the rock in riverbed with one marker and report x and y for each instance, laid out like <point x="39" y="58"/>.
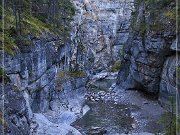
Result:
<point x="45" y="127"/>
<point x="97" y="131"/>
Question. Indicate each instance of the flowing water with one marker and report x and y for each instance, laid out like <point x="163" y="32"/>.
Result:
<point x="112" y="116"/>
<point x="115" y="118"/>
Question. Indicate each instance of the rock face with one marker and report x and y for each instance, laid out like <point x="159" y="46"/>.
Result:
<point x="34" y="72"/>
<point x="16" y="115"/>
<point x="148" y="62"/>
<point x="100" y="29"/>
<point x="33" y="86"/>
<point x="40" y="83"/>
<point x="49" y="128"/>
<point x="168" y="79"/>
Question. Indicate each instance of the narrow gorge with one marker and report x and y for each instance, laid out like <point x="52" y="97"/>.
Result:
<point x="89" y="67"/>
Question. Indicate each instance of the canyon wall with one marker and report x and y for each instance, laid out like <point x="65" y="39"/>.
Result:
<point x="149" y="60"/>
<point x="34" y="85"/>
<point x="48" y="77"/>
<point x="100" y="29"/>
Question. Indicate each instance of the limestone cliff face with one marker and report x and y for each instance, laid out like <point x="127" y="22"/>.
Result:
<point x="39" y="77"/>
<point x="33" y="85"/>
<point x="148" y="63"/>
<point x="100" y="29"/>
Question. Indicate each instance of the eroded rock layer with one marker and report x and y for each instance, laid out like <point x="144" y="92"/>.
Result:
<point x="100" y="29"/>
<point x="149" y="62"/>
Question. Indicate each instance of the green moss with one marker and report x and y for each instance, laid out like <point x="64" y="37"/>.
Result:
<point x="75" y="74"/>
<point x="3" y="75"/>
<point x="157" y="3"/>
<point x="3" y="122"/>
<point x="63" y="76"/>
<point x="9" y="24"/>
<point x="142" y="29"/>
<point x="178" y="72"/>
<point x="9" y="44"/>
<point x="168" y="119"/>
<point x="35" y="26"/>
<point x="133" y="20"/>
<point x="116" y="66"/>
<point x="81" y="46"/>
<point x="162" y="14"/>
<point x="171" y="14"/>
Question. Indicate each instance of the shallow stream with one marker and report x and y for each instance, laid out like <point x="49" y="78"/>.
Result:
<point x="115" y="118"/>
<point x="108" y="115"/>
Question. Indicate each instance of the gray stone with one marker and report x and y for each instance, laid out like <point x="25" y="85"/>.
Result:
<point x="97" y="131"/>
<point x="48" y="128"/>
<point x="168" y="81"/>
<point x="144" y="58"/>
<point x="16" y="116"/>
<point x="103" y="28"/>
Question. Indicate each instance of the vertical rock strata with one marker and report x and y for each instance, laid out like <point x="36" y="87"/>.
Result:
<point x="40" y="80"/>
<point x="149" y="60"/>
<point x="100" y="29"/>
<point x="47" y="80"/>
<point x="33" y="87"/>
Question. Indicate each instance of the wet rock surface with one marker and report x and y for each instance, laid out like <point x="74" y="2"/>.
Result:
<point x="96" y="131"/>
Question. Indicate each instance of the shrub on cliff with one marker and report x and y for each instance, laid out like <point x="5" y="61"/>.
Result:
<point x="64" y="76"/>
<point x="3" y="76"/>
<point x="116" y="66"/>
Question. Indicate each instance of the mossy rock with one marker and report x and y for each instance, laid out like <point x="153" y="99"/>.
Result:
<point x="3" y="76"/>
<point x="77" y="74"/>
<point x="116" y="66"/>
<point x="3" y="122"/>
<point x="64" y="76"/>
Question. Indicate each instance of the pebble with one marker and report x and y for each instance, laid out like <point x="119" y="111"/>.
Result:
<point x="133" y="126"/>
<point x="97" y="131"/>
<point x="145" y="102"/>
<point x="102" y="95"/>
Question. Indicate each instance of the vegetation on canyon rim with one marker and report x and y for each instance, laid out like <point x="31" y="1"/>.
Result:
<point x="160" y="12"/>
<point x="25" y="18"/>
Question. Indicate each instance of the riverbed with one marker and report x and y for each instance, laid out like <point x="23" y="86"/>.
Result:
<point x="118" y="111"/>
